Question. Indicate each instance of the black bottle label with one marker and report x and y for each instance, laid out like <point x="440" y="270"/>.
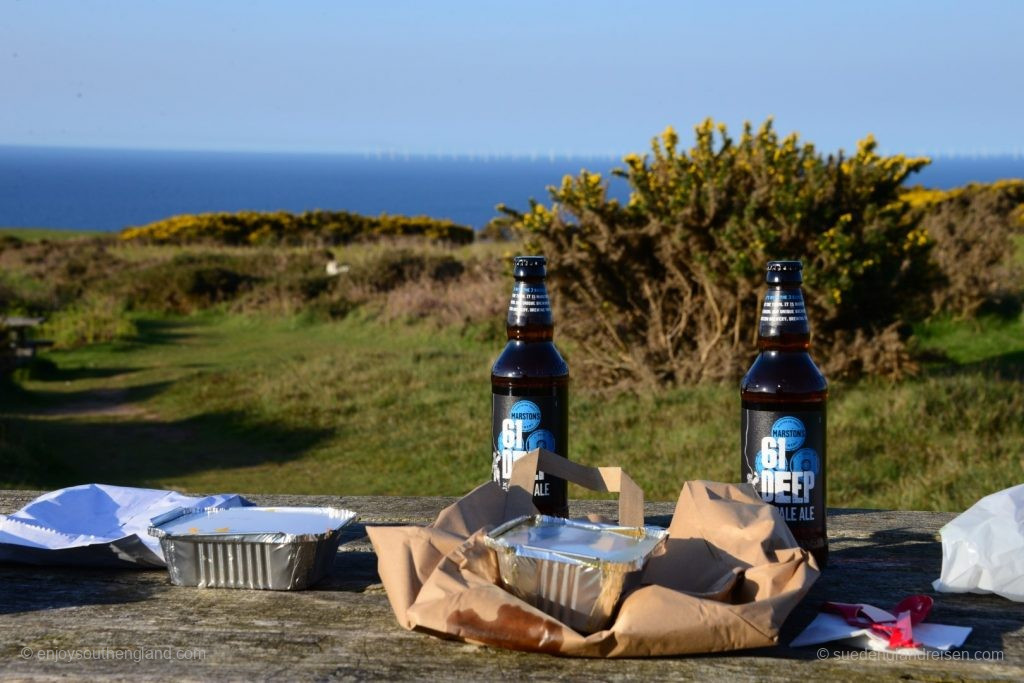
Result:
<point x="519" y="425"/>
<point x="784" y="460"/>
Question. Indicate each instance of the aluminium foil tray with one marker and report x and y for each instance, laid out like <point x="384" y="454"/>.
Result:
<point x="270" y="548"/>
<point x="575" y="571"/>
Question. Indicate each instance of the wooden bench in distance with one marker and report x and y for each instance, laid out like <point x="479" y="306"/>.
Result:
<point x="343" y="628"/>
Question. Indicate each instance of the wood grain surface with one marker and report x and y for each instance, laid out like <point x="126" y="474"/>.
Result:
<point x="343" y="628"/>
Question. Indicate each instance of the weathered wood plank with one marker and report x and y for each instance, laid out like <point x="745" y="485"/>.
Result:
<point x="344" y="628"/>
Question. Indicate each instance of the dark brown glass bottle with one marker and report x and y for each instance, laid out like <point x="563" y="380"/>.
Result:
<point x="530" y="388"/>
<point x="782" y="426"/>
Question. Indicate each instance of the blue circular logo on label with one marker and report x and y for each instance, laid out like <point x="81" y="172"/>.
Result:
<point x="805" y="460"/>
<point x="792" y="430"/>
<point x="528" y="412"/>
<point x="541" y="438"/>
<point x="759" y="464"/>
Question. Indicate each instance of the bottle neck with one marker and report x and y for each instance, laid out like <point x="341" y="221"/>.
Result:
<point x="530" y="334"/>
<point x="529" y="311"/>
<point x="783" y="325"/>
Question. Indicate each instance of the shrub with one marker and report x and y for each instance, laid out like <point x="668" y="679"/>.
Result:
<point x="475" y="301"/>
<point x="497" y="230"/>
<point x="973" y="230"/>
<point x="93" y="318"/>
<point x="9" y="242"/>
<point x="184" y="284"/>
<point x="42" y="276"/>
<point x="396" y="267"/>
<point x="281" y="227"/>
<point x="664" y="290"/>
<point x="287" y="282"/>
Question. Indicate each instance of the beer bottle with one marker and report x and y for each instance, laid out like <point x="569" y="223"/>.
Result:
<point x="530" y="388"/>
<point x="782" y="426"/>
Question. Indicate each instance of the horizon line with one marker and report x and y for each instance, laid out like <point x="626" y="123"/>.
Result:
<point x="395" y="154"/>
<point x="383" y="153"/>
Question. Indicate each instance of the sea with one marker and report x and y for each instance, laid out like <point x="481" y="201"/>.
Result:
<point x="107" y="190"/>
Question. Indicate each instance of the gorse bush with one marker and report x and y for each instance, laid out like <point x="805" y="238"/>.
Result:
<point x="664" y="289"/>
<point x="973" y="229"/>
<point x="281" y="227"/>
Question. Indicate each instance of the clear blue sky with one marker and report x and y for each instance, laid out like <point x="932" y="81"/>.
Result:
<point x="507" y="77"/>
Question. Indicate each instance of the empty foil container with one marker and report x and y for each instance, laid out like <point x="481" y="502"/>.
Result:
<point x="273" y="548"/>
<point x="574" y="571"/>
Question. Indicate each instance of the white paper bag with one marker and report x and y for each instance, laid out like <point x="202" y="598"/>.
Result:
<point x="95" y="525"/>
<point x="983" y="549"/>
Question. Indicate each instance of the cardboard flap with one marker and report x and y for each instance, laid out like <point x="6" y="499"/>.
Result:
<point x="611" y="479"/>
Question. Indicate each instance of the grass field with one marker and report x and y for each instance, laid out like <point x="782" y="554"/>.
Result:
<point x="227" y="402"/>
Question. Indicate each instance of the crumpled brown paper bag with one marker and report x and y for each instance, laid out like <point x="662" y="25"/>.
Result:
<point x="729" y="575"/>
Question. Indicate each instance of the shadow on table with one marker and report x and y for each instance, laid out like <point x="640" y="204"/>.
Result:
<point x="354" y="571"/>
<point x="29" y="588"/>
<point x="355" y="565"/>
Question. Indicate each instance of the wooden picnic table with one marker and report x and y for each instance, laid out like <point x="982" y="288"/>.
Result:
<point x="20" y="322"/>
<point x="17" y="328"/>
<point x="345" y="629"/>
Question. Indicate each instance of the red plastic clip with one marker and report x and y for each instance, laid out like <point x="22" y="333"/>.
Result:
<point x="918" y="605"/>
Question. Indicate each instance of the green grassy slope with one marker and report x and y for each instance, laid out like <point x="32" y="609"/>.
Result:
<point x="219" y="403"/>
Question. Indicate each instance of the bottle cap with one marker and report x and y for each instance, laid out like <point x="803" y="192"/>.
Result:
<point x="784" y="273"/>
<point x="530" y="266"/>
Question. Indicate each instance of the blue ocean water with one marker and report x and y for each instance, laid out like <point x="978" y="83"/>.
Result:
<point x="112" y="189"/>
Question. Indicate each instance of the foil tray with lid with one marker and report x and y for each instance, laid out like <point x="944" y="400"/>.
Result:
<point x="272" y="548"/>
<point x="575" y="571"/>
